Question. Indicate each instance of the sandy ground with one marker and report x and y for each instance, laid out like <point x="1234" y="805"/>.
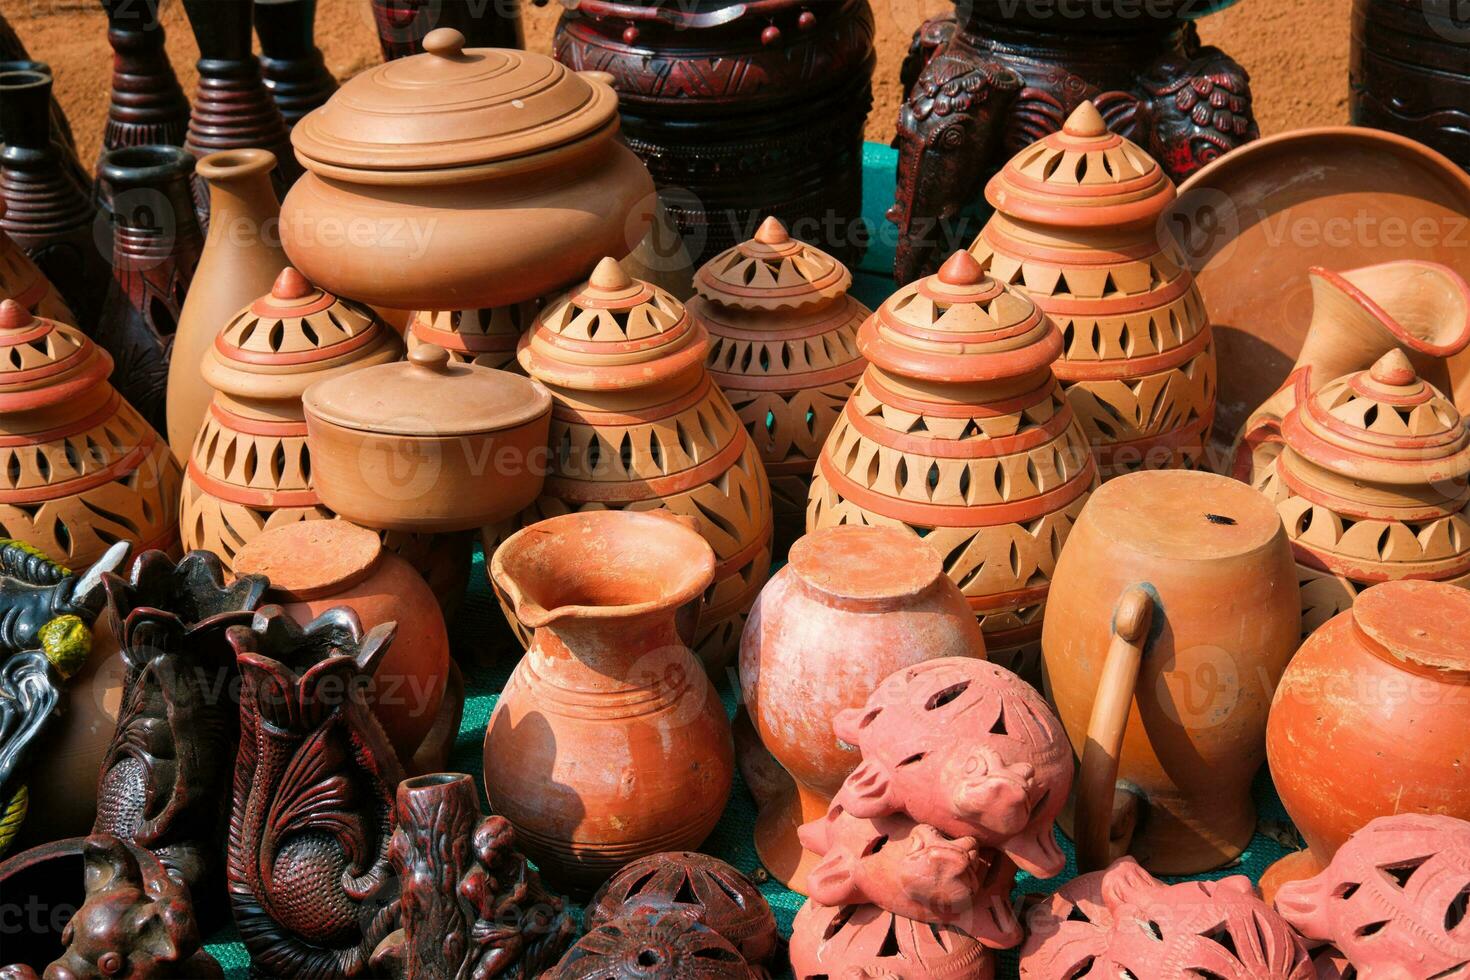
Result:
<point x="1296" y="53"/>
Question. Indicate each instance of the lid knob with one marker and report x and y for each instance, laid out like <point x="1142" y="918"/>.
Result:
<point x="609" y="275"/>
<point x="772" y="232"/>
<point x="444" y="42"/>
<point x="291" y="284"/>
<point x="1393" y="369"/>
<point x="1085" y="120"/>
<point x="430" y="357"/>
<point x="961" y="269"/>
<point x="13" y="316"/>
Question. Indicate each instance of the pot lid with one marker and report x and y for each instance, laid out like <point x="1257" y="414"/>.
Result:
<point x="1421" y="624"/>
<point x="960" y="325"/>
<point x="427" y="395"/>
<point x="1082" y="176"/>
<point x="613" y="331"/>
<point x="454" y="107"/>
<point x="308" y="560"/>
<point x="1382" y="425"/>
<point x="772" y="271"/>
<point x="44" y="362"/>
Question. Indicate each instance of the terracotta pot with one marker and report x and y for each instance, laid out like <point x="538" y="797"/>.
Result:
<point x="651" y="944"/>
<point x="621" y="746"/>
<point x="242" y="257"/>
<point x="22" y="280"/>
<point x="486" y="337"/>
<point x="639" y="425"/>
<point x="854" y="605"/>
<point x="294" y="71"/>
<point x="314" y="566"/>
<point x="1138" y="362"/>
<point x="435" y="162"/>
<point x="1179" y="615"/>
<point x="865" y="941"/>
<point x="1392" y="900"/>
<point x="959" y="430"/>
<point x="783" y="348"/>
<point x="1396" y="676"/>
<point x="438" y="447"/>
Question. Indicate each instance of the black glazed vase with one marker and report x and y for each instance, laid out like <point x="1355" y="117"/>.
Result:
<point x="295" y="72"/>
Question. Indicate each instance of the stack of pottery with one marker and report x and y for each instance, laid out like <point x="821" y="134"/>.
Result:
<point x="638" y="424"/>
<point x="783" y="347"/>
<point x="487" y="336"/>
<point x="24" y="282"/>
<point x="1076" y="226"/>
<point x="959" y="430"/>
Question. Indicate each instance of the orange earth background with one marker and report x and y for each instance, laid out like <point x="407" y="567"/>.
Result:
<point x="1295" y="50"/>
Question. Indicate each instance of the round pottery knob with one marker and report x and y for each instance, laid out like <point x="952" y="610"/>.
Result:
<point x="430" y="357"/>
<point x="445" y="42"/>
<point x="291" y="284"/>
<point x="13" y="316"/>
<point x="961" y="269"/>
<point x="772" y="232"/>
<point x="1393" y="369"/>
<point x="1085" y="121"/>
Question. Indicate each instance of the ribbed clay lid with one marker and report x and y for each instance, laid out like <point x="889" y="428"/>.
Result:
<point x="1382" y="425"/>
<point x="613" y="331"/>
<point x="772" y="271"/>
<point x="959" y="325"/>
<point x="453" y="107"/>
<point x="43" y="362"/>
<point x="1082" y="176"/>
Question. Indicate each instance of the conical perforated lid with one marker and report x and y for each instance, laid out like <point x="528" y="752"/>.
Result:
<point x="772" y="271"/>
<point x="1082" y="177"/>
<point x="43" y="362"/>
<point x="959" y="325"/>
<point x="613" y="331"/>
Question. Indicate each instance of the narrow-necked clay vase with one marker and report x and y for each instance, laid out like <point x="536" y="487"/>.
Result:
<point x="783" y="347"/>
<point x="1178" y="611"/>
<point x="863" y="941"/>
<point x="959" y="430"/>
<point x="853" y="605"/>
<point x="23" y="281"/>
<point x="487" y="337"/>
<point x="609" y="742"/>
<point x="314" y="566"/>
<point x="638" y="424"/>
<point x="1076" y="225"/>
<point x="1373" y="718"/>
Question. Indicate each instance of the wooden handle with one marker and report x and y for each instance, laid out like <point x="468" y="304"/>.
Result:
<point x="1097" y="781"/>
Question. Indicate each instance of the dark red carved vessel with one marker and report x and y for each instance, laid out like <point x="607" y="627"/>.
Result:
<point x="294" y="70"/>
<point x="645" y="945"/>
<point x="740" y="110"/>
<point x="402" y="24"/>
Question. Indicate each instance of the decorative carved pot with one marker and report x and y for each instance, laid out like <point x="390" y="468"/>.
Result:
<point x="639" y="425"/>
<point x="608" y="742"/>
<point x="651" y="944"/>
<point x="783" y="348"/>
<point x="1176" y="617"/>
<point x="853" y="605"/>
<point x="864" y="941"/>
<point x="293" y="68"/>
<point x="959" y="430"/>
<point x="487" y="337"/>
<point x="146" y="105"/>
<point x="1369" y="720"/>
<point x="739" y="110"/>
<point x="1076" y="226"/>
<point x="23" y="281"/>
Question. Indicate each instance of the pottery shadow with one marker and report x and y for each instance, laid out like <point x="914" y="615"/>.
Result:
<point x="536" y="771"/>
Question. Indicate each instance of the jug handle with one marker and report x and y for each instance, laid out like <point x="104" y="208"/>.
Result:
<point x="1097" y="781"/>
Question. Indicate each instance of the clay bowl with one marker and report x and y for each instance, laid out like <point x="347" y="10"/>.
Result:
<point x="1254" y="221"/>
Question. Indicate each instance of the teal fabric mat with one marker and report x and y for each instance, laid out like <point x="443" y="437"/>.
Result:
<point x="480" y="636"/>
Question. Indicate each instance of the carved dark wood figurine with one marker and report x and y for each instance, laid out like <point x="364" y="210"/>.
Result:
<point x="982" y="87"/>
<point x="314" y="793"/>
<point x="295" y="73"/>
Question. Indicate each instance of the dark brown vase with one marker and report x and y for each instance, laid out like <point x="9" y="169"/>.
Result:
<point x="294" y="70"/>
<point x="12" y="48"/>
<point x="156" y="245"/>
<point x="402" y="24"/>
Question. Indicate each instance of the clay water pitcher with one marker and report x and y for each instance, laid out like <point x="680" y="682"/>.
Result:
<point x="1174" y="613"/>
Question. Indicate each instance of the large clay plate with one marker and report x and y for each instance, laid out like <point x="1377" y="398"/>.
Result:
<point x="1255" y="220"/>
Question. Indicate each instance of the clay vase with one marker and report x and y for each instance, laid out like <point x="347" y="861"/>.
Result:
<point x="783" y="348"/>
<point x="293" y="68"/>
<point x="865" y="941"/>
<point x="314" y="566"/>
<point x="959" y="430"/>
<point x="651" y="944"/>
<point x="487" y="337"/>
<point x="1395" y="672"/>
<point x="403" y="24"/>
<point x="1076" y="225"/>
<point x="608" y="743"/>
<point x="65" y="140"/>
<point x="1392" y="901"/>
<point x="638" y="424"/>
<point x="853" y="605"/>
<point x="24" y="282"/>
<point x="85" y="470"/>
<point x="1177" y="617"/>
<point x="242" y="257"/>
<point x="155" y="249"/>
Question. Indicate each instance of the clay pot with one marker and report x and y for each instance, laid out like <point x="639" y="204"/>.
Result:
<point x="437" y="446"/>
<point x="314" y="566"/>
<point x="1394" y="676"/>
<point x="621" y="747"/>
<point x="1392" y="901"/>
<point x="486" y="337"/>
<point x="865" y="941"/>
<point x="242" y="257"/>
<point x="638" y="424"/>
<point x="1179" y="614"/>
<point x="22" y="281"/>
<point x="146" y="106"/>
<point x="959" y="430"/>
<point x="651" y="944"/>
<point x="466" y="177"/>
<point x="294" y="71"/>
<point x="854" y="605"/>
<point x="1138" y="361"/>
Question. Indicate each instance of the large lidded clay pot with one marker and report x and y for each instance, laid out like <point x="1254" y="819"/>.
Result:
<point x="638" y="424"/>
<point x="1371" y="719"/>
<point x="1076" y="226"/>
<point x="959" y="430"/>
<point x="1175" y="614"/>
<point x="861" y="941"/>
<point x="487" y="337"/>
<point x="853" y="605"/>
<point x="84" y="471"/>
<point x="609" y="742"/>
<point x="463" y="178"/>
<point x="783" y="348"/>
